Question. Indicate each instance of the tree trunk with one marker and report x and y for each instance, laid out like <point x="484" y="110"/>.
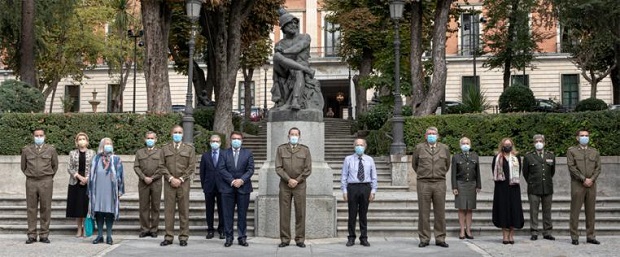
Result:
<point x="512" y="23"/>
<point x="27" y="68"/>
<point x="417" y="75"/>
<point x="615" y="79"/>
<point x="200" y="83"/>
<point x="361" y="102"/>
<point x="123" y="84"/>
<point x="156" y="18"/>
<point x="437" y="87"/>
<point x="247" y="92"/>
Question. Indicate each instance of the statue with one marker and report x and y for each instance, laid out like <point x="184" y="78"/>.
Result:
<point x="294" y="85"/>
<point x="204" y="101"/>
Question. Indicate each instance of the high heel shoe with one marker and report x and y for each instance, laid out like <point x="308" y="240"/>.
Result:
<point x="468" y="236"/>
<point x="98" y="240"/>
<point x="461" y="237"/>
<point x="108" y="240"/>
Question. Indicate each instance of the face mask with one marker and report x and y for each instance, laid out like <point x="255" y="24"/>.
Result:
<point x="507" y="149"/>
<point x="359" y="150"/>
<point x="150" y="142"/>
<point x="108" y="148"/>
<point x="215" y="145"/>
<point x="177" y="137"/>
<point x="39" y="140"/>
<point x="82" y="143"/>
<point x="293" y="140"/>
<point x="584" y="140"/>
<point x="465" y="148"/>
<point x="431" y="139"/>
<point x="236" y="143"/>
<point x="539" y="146"/>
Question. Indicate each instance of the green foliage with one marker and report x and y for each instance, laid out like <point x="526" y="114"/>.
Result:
<point x="486" y="131"/>
<point x="378" y="141"/>
<point x="17" y="96"/>
<point x="206" y="116"/>
<point x="517" y="99"/>
<point x="475" y="101"/>
<point x="591" y="104"/>
<point x="374" y="119"/>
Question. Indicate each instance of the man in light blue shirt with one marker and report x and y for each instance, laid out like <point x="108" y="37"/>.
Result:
<point x="359" y="185"/>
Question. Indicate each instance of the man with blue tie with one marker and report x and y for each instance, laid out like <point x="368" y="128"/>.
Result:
<point x="235" y="168"/>
<point x="208" y="176"/>
<point x="359" y="185"/>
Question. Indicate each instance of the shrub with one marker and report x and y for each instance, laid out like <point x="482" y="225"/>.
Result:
<point x="374" y="118"/>
<point x="475" y="101"/>
<point x="20" y="97"/>
<point x="516" y="99"/>
<point x="591" y="104"/>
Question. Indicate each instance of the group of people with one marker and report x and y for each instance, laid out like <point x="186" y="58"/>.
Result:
<point x="431" y="162"/>
<point x="96" y="183"/>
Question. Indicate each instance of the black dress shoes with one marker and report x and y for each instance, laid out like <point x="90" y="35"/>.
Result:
<point x="144" y="234"/>
<point x="505" y="242"/>
<point x="423" y="244"/>
<point x="468" y="236"/>
<point x="350" y="242"/>
<point x="98" y="240"/>
<point x="222" y="236"/>
<point x="153" y="234"/>
<point x="31" y="240"/>
<point x="165" y="243"/>
<point x="589" y="241"/>
<point x="575" y="242"/>
<point x="549" y="237"/>
<point x="47" y="240"/>
<point x="228" y="243"/>
<point x="364" y="243"/>
<point x="243" y="242"/>
<point x="109" y="241"/>
<point x="183" y="242"/>
<point x="283" y="244"/>
<point x="301" y="244"/>
<point x="442" y="244"/>
<point x="210" y="234"/>
<point x="534" y="237"/>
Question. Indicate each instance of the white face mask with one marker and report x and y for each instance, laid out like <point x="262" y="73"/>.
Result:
<point x="539" y="146"/>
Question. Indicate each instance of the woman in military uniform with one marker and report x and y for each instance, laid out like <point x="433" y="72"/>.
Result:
<point x="465" y="185"/>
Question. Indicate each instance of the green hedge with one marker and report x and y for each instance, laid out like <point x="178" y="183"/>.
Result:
<point x="486" y="130"/>
<point x="126" y="130"/>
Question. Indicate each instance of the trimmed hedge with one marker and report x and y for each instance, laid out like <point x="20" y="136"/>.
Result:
<point x="591" y="104"/>
<point x="486" y="131"/>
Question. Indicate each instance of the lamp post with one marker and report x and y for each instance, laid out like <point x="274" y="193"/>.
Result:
<point x="398" y="146"/>
<point x="351" y="94"/>
<point x="475" y="39"/>
<point x="135" y="37"/>
<point x="193" y="13"/>
<point x="265" y="68"/>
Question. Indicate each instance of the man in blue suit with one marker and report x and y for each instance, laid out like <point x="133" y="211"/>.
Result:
<point x="208" y="177"/>
<point x="235" y="168"/>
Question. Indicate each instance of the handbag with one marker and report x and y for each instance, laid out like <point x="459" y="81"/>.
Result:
<point x="89" y="225"/>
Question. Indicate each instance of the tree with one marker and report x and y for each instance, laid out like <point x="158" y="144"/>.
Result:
<point x="27" y="68"/>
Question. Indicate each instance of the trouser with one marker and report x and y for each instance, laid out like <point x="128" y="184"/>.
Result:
<point x="39" y="196"/>
<point x="582" y="196"/>
<point x="535" y="201"/>
<point x="108" y="217"/>
<point x="174" y="197"/>
<point x="150" y="199"/>
<point x="357" y="196"/>
<point x="286" y="195"/>
<point x="431" y="192"/>
<point x="242" y="201"/>
<point x="211" y="199"/>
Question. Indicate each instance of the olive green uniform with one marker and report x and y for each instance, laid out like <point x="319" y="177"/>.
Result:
<point x="146" y="165"/>
<point x="538" y="170"/>
<point x="293" y="162"/>
<point x="583" y="162"/>
<point x="39" y="164"/>
<point x="178" y="162"/>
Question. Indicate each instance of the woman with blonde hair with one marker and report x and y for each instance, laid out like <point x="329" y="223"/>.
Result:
<point x="465" y="185"/>
<point x="507" y="208"/>
<point x="105" y="187"/>
<point x="79" y="169"/>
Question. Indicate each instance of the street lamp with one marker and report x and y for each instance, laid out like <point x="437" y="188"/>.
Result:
<point x="474" y="44"/>
<point x="135" y="37"/>
<point x="193" y="13"/>
<point x="398" y="146"/>
<point x="265" y="68"/>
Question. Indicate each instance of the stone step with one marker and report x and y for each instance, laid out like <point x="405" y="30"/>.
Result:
<point x="120" y="229"/>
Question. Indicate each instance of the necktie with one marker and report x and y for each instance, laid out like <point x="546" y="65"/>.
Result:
<point x="214" y="156"/>
<point x="360" y="170"/>
<point x="432" y="149"/>
<point x="236" y="156"/>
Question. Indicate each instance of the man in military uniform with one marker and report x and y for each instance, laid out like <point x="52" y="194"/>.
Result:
<point x="39" y="163"/>
<point x="431" y="162"/>
<point x="538" y="171"/>
<point x="584" y="165"/>
<point x="177" y="164"/>
<point x="293" y="165"/>
<point x="149" y="187"/>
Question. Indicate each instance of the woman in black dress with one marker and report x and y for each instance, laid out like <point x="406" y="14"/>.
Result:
<point x="78" y="168"/>
<point x="507" y="208"/>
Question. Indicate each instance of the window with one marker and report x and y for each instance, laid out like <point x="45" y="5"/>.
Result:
<point x="523" y="80"/>
<point x="570" y="90"/>
<point x="72" y="97"/>
<point x="469" y="83"/>
<point x="241" y="90"/>
<point x="470" y="33"/>
<point x="115" y="98"/>
<point x="332" y="39"/>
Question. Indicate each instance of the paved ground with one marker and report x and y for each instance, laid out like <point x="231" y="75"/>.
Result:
<point x="64" y="245"/>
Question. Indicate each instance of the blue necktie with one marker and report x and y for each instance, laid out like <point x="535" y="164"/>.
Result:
<point x="214" y="156"/>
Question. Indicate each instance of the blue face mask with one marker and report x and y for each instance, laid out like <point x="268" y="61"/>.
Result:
<point x="236" y="143"/>
<point x="177" y="137"/>
<point x="465" y="148"/>
<point x="359" y="150"/>
<point x="39" y="140"/>
<point x="215" y="145"/>
<point x="150" y="142"/>
<point x="431" y="139"/>
<point x="108" y="148"/>
<point x="293" y="140"/>
<point x="584" y="140"/>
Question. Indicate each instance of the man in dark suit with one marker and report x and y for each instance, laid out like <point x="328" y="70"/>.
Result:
<point x="208" y="177"/>
<point x="235" y="168"/>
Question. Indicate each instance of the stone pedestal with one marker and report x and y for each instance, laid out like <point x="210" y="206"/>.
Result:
<point x="320" y="202"/>
<point x="400" y="166"/>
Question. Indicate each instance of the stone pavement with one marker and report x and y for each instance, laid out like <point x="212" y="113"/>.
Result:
<point x="65" y="245"/>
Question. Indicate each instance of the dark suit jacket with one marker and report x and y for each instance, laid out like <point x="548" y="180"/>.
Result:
<point x="228" y="172"/>
<point x="208" y="171"/>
